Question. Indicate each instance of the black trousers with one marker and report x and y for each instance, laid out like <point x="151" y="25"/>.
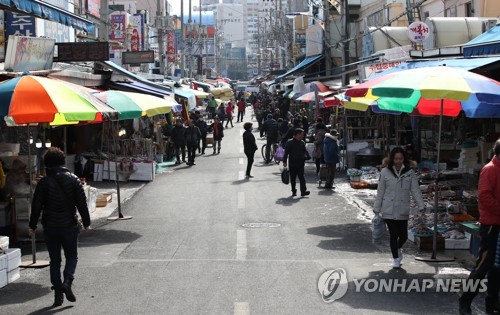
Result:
<point x="191" y="148"/>
<point x="241" y="113"/>
<point x="297" y="171"/>
<point x="398" y="234"/>
<point x="484" y="265"/>
<point x="332" y="167"/>
<point x="67" y="239"/>
<point x="250" y="160"/>
<point x="178" y="150"/>
<point x="203" y="141"/>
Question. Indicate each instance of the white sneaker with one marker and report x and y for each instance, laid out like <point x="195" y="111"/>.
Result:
<point x="400" y="254"/>
<point x="396" y="263"/>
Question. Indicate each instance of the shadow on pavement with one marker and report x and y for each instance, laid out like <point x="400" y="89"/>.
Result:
<point x="23" y="292"/>
<point x="350" y="237"/>
<point x="287" y="201"/>
<point x="241" y="181"/>
<point x="51" y="310"/>
<point x="326" y="192"/>
<point x="100" y="236"/>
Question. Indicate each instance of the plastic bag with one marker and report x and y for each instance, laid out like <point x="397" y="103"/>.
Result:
<point x="279" y="154"/>
<point x="285" y="176"/>
<point x="378" y="227"/>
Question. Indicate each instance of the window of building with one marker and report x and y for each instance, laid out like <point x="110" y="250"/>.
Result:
<point x="426" y="15"/>
<point x="451" y="11"/>
<point x="469" y="9"/>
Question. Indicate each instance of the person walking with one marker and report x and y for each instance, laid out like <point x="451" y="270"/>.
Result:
<point x="229" y="114"/>
<point x="249" y="146"/>
<point x="218" y="131"/>
<point x="331" y="156"/>
<point x="489" y="217"/>
<point x="319" y="137"/>
<point x="179" y="139"/>
<point x="202" y="125"/>
<point x="57" y="198"/>
<point x="241" y="110"/>
<point x="193" y="136"/>
<point x="397" y="182"/>
<point x="271" y="129"/>
<point x="211" y="107"/>
<point x="295" y="154"/>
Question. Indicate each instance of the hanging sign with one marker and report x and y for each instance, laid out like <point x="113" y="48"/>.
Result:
<point x="418" y="32"/>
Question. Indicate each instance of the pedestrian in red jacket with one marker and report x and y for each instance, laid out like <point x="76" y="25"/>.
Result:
<point x="489" y="217"/>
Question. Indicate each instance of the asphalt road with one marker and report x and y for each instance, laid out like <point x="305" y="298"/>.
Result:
<point x="191" y="248"/>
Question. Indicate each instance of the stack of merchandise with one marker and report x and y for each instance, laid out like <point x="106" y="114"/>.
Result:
<point x="10" y="259"/>
<point x="224" y="93"/>
<point x="468" y="159"/>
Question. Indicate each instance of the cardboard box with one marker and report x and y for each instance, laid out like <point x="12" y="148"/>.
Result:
<point x="3" y="261"/>
<point x="13" y="258"/>
<point x="4" y="242"/>
<point x="425" y="243"/>
<point x="3" y="278"/>
<point x="13" y="275"/>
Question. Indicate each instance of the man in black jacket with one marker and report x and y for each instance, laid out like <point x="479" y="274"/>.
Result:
<point x="270" y="127"/>
<point x="193" y="136"/>
<point x="249" y="146"/>
<point x="295" y="151"/>
<point x="58" y="196"/>
<point x="179" y="138"/>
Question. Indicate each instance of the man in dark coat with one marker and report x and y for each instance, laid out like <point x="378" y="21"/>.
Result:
<point x="57" y="197"/>
<point x="218" y="130"/>
<point x="193" y="136"/>
<point x="271" y="129"/>
<point x="249" y="146"/>
<point x="202" y="125"/>
<point x="295" y="152"/>
<point x="179" y="138"/>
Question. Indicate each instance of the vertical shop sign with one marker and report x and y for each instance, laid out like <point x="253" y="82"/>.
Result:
<point x="140" y="29"/>
<point x="19" y="24"/>
<point x="136" y="22"/>
<point x="93" y="7"/>
<point x="171" y="46"/>
<point x="118" y="31"/>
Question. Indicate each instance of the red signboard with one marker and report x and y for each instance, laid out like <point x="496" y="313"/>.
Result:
<point x="171" y="52"/>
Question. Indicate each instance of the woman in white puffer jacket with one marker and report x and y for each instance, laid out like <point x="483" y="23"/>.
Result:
<point x="397" y="182"/>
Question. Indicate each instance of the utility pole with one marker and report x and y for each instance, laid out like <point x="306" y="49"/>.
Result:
<point x="183" y="40"/>
<point x="345" y="42"/>
<point x="326" y="37"/>
<point x="103" y="27"/>
<point x="161" y="44"/>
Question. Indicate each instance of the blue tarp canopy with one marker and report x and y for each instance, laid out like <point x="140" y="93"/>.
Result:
<point x="302" y="65"/>
<point x="49" y="12"/>
<point x="487" y="43"/>
<point x="462" y="63"/>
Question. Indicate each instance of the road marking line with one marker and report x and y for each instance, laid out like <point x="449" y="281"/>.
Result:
<point x="241" y="200"/>
<point x="242" y="161"/>
<point x="241" y="308"/>
<point x="241" y="175"/>
<point x="241" y="150"/>
<point x="241" y="141"/>
<point x="241" y="244"/>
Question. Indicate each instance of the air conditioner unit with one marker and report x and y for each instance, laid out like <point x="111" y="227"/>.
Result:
<point x="489" y="24"/>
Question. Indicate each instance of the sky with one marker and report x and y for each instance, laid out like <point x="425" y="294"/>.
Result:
<point x="176" y="5"/>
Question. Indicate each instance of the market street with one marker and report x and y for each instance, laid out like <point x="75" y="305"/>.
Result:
<point x="190" y="248"/>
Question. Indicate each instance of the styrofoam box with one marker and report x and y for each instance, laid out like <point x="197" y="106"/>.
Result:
<point x="4" y="242"/>
<point x="3" y="278"/>
<point x="457" y="244"/>
<point x="13" y="258"/>
<point x="13" y="275"/>
<point x="3" y="261"/>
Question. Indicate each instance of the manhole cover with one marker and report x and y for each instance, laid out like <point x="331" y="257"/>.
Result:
<point x="261" y="225"/>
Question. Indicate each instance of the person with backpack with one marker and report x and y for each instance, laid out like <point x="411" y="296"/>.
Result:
<point x="193" y="136"/>
<point x="202" y="126"/>
<point x="218" y="129"/>
<point x="331" y="156"/>
<point x="179" y="138"/>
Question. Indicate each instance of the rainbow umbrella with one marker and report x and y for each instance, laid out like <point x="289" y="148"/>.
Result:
<point x="307" y="98"/>
<point x="32" y="99"/>
<point x="134" y="105"/>
<point x="317" y="86"/>
<point x="442" y="91"/>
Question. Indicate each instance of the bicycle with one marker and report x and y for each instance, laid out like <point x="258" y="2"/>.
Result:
<point x="271" y="153"/>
